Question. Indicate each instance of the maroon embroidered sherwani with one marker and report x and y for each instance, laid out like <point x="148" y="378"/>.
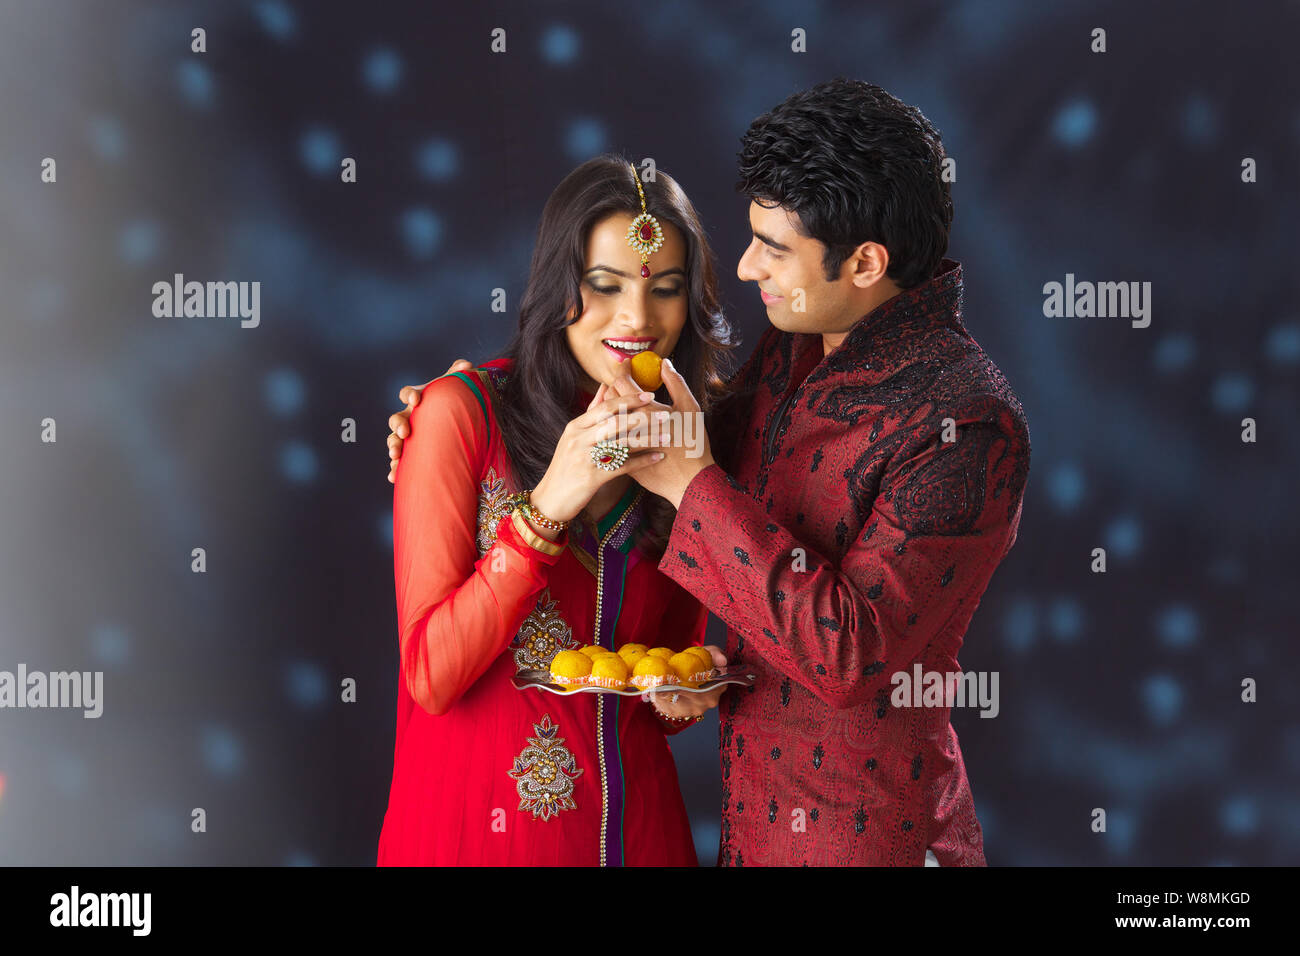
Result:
<point x="845" y="541"/>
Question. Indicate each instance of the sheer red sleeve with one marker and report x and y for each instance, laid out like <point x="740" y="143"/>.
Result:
<point x="456" y="611"/>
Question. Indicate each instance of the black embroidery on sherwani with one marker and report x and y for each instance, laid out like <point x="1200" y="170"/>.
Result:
<point x="785" y="692"/>
<point x="848" y="403"/>
<point x="771" y="811"/>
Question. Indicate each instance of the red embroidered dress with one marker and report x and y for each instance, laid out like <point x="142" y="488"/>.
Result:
<point x="484" y="773"/>
<point x="848" y="540"/>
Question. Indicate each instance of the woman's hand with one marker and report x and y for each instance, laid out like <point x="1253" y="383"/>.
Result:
<point x="573" y="478"/>
<point x="399" y="423"/>
<point x="690" y="705"/>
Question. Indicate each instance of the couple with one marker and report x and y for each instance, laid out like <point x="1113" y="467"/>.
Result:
<point x="860" y="479"/>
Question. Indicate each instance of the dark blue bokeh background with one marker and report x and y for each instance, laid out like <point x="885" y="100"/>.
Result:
<point x="1119" y="690"/>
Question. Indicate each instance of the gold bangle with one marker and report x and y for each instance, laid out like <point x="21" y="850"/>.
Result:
<point x="532" y="514"/>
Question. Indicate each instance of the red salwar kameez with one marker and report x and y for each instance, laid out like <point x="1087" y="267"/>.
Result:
<point x="485" y="773"/>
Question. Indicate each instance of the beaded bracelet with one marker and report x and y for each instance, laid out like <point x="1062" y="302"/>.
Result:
<point x="532" y="514"/>
<point x="677" y="720"/>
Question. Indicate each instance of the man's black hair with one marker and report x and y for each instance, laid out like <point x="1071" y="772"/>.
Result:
<point x="857" y="165"/>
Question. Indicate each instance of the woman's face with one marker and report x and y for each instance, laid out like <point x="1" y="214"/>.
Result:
<point x="622" y="312"/>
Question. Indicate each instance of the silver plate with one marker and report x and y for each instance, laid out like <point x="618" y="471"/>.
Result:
<point x="731" y="674"/>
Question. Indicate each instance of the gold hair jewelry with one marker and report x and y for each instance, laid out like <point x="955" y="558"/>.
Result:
<point x="645" y="234"/>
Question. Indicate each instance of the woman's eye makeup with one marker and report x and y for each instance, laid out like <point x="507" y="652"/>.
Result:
<point x="663" y="293"/>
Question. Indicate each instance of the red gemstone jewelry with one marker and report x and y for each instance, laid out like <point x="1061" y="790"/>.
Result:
<point x="645" y="234"/>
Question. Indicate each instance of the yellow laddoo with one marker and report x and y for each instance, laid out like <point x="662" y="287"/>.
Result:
<point x="570" y="668"/>
<point x="685" y="666"/>
<point x="646" y="370"/>
<point x="706" y="661"/>
<point x="665" y="652"/>
<point x="608" y="670"/>
<point x="591" y="650"/>
<point x="650" y="672"/>
<point x="631" y="659"/>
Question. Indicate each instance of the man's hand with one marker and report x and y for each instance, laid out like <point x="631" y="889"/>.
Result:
<point x="687" y="452"/>
<point x="399" y="423"/>
<point x="690" y="705"/>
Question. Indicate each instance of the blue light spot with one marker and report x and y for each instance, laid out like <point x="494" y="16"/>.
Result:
<point x="284" y="391"/>
<point x="1123" y="537"/>
<point x="1065" y="486"/>
<point x="107" y="138"/>
<point x="1239" y="816"/>
<point x="708" y="836"/>
<point x="1175" y="352"/>
<point x="1283" y="345"/>
<point x="221" y="751"/>
<point x="1075" y="123"/>
<point x="1232" y="392"/>
<point x="69" y="774"/>
<point x="320" y="151"/>
<point x="1121" y="828"/>
<point x="584" y="139"/>
<point x="559" y="45"/>
<point x="1020" y="624"/>
<point x="299" y="858"/>
<point x="717" y="46"/>
<point x="382" y="71"/>
<point x="1163" y="698"/>
<point x="385" y="527"/>
<point x="298" y="462"/>
<point x="275" y="18"/>
<point x="1199" y="121"/>
<point x="306" y="683"/>
<point x="1066" y="620"/>
<point x="195" y="82"/>
<point x="1178" y="626"/>
<point x="110" y="644"/>
<point x="138" y="242"/>
<point x="437" y="160"/>
<point x="421" y="231"/>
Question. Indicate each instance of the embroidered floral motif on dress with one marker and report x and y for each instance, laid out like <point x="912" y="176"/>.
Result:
<point x="545" y="773"/>
<point x="543" y="634"/>
<point x="493" y="504"/>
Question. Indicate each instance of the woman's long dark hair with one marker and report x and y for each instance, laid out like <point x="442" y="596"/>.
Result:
<point x="538" y="398"/>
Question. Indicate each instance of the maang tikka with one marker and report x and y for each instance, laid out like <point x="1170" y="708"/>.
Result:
<point x="644" y="235"/>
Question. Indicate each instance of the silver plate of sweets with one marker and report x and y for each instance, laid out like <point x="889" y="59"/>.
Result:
<point x="731" y="674"/>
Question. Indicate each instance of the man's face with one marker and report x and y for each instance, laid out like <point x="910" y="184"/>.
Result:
<point x="792" y="283"/>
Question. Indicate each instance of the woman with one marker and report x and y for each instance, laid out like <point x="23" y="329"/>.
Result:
<point x="488" y="585"/>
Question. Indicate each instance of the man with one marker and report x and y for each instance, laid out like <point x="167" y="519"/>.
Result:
<point x="869" y="473"/>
